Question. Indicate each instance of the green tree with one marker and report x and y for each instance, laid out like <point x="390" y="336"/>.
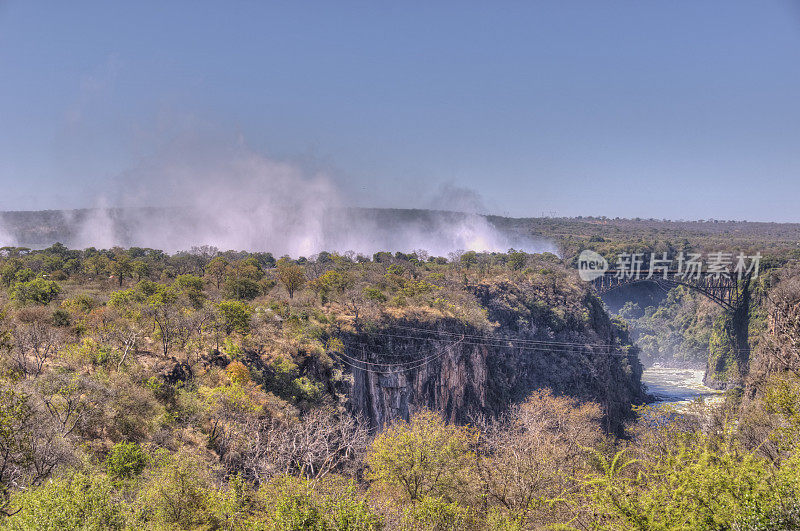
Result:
<point x="435" y="514"/>
<point x="469" y="258"/>
<point x="331" y="283"/>
<point x="8" y="270"/>
<point x="96" y="265"/>
<point x="38" y="291"/>
<point x="292" y="276"/>
<point x="242" y="288"/>
<point x="517" y="259"/>
<point x="178" y="492"/>
<point x="162" y="307"/>
<point x="141" y="269"/>
<point x="121" y="268"/>
<point x="333" y="505"/>
<point x="25" y="275"/>
<point x="77" y="501"/>
<point x="52" y="263"/>
<point x="235" y="316"/>
<point x="192" y="287"/>
<point x="216" y="270"/>
<point x="697" y="486"/>
<point x="125" y="460"/>
<point x="423" y="457"/>
<point x="242" y="279"/>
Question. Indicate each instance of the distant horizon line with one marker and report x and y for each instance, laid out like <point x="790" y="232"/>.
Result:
<point x="437" y="210"/>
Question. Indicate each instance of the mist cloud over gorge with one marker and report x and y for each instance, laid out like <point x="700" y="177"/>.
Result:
<point x="235" y="198"/>
<point x="6" y="237"/>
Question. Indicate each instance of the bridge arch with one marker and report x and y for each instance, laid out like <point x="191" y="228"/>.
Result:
<point x="724" y="291"/>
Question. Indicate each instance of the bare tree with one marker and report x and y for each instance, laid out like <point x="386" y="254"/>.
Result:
<point x="530" y="454"/>
<point x="65" y="398"/>
<point x="321" y="442"/>
<point x="356" y="303"/>
<point x="30" y="448"/>
<point x="124" y="330"/>
<point x="35" y="341"/>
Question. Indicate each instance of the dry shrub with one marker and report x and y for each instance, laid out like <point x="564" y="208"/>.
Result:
<point x="533" y="453"/>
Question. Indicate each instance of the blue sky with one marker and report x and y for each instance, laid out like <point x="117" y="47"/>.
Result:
<point x="687" y="109"/>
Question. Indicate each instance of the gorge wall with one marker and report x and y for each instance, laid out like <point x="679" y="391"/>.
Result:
<point x="466" y="373"/>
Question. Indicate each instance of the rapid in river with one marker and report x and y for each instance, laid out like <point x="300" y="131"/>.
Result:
<point x="676" y="386"/>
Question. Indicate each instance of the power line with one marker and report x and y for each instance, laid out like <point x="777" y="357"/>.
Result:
<point x="484" y="337"/>
<point x="488" y="340"/>
<point x="409" y="365"/>
<point x="431" y="356"/>
<point x="552" y="347"/>
<point x="402" y="367"/>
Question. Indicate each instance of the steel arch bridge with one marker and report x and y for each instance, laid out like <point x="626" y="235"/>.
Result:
<point x="726" y="291"/>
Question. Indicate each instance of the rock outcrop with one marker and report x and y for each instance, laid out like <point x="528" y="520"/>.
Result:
<point x="465" y="372"/>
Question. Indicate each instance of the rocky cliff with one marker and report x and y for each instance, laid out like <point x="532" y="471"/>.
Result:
<point x="549" y="338"/>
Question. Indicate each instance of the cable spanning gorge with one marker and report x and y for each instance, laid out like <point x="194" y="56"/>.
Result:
<point x="440" y="342"/>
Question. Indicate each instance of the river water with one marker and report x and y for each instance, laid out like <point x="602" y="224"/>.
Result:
<point x="677" y="387"/>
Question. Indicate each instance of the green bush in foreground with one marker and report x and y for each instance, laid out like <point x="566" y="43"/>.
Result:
<point x="125" y="460"/>
<point x="691" y="488"/>
<point x="79" y="501"/>
<point x="335" y="505"/>
<point x="38" y="291"/>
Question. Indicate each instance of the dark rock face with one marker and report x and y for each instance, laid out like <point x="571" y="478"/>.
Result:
<point x="466" y="373"/>
<point x="215" y="359"/>
<point x="174" y="371"/>
<point x="451" y="378"/>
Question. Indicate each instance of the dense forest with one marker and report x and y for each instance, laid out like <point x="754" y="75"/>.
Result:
<point x="234" y="390"/>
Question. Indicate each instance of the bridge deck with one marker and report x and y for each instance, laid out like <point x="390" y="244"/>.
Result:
<point x="723" y="289"/>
